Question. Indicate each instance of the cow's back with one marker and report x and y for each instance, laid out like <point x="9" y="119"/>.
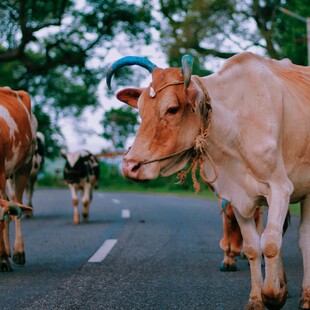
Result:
<point x="17" y="126"/>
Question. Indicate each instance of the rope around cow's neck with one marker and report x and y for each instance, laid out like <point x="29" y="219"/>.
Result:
<point x="199" y="159"/>
<point x="199" y="146"/>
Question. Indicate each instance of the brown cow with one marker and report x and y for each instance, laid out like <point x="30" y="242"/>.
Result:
<point x="232" y="241"/>
<point x="18" y="130"/>
<point x="246" y="127"/>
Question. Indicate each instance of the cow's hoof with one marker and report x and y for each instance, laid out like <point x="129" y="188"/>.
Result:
<point x="228" y="267"/>
<point x="85" y="217"/>
<point x="255" y="305"/>
<point x="28" y="214"/>
<point x="76" y="220"/>
<point x="19" y="258"/>
<point x="275" y="302"/>
<point x="304" y="302"/>
<point x="5" y="266"/>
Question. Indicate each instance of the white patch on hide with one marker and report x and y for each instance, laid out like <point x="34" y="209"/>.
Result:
<point x="152" y="92"/>
<point x="73" y="158"/>
<point x="5" y="114"/>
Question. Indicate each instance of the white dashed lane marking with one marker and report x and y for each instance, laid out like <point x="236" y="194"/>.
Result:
<point x="125" y="214"/>
<point x="103" y="251"/>
<point x="108" y="244"/>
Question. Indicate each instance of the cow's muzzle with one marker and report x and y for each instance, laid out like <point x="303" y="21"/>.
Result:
<point x="132" y="170"/>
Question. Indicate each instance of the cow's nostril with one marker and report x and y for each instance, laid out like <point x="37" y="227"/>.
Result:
<point x="136" y="167"/>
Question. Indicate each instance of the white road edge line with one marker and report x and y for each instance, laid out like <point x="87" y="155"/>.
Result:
<point x="103" y="251"/>
<point x="125" y="213"/>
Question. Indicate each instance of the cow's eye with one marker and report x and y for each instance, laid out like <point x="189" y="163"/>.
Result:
<point x="172" y="110"/>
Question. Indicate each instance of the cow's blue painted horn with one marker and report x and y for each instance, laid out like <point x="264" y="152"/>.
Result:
<point x="187" y="68"/>
<point x="15" y="210"/>
<point x="129" y="61"/>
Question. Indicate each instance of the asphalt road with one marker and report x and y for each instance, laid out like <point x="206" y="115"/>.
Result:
<point x="164" y="254"/>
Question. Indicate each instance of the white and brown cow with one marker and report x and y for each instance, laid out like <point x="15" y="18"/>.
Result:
<point x="18" y="131"/>
<point x="37" y="165"/>
<point x="81" y="172"/>
<point x="246" y="127"/>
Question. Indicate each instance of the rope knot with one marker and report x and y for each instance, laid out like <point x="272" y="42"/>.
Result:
<point x="200" y="144"/>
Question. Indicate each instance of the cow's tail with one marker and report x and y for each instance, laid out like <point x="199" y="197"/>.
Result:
<point x="287" y="221"/>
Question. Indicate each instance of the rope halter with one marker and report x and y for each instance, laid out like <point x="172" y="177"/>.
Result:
<point x="200" y="153"/>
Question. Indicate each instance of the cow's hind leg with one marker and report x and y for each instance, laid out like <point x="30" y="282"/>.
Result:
<point x="231" y="242"/>
<point x="75" y="203"/>
<point x="29" y="194"/>
<point x="87" y="196"/>
<point x="304" y="244"/>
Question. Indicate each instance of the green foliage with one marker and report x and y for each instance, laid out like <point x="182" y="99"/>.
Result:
<point x="112" y="179"/>
<point x="46" y="47"/>
<point x="119" y="125"/>
<point x="220" y="29"/>
<point x="291" y="33"/>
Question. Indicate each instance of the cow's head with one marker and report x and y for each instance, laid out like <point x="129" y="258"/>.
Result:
<point x="75" y="166"/>
<point x="170" y="109"/>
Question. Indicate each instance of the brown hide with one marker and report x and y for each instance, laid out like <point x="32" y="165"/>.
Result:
<point x="18" y="128"/>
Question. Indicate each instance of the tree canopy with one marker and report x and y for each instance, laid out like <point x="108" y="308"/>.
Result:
<point x="221" y="28"/>
<point x="55" y="50"/>
<point x="119" y="124"/>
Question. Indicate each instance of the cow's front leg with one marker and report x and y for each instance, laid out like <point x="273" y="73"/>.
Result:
<point x="86" y="200"/>
<point x="4" y="258"/>
<point x="274" y="291"/>
<point x="19" y="248"/>
<point x="75" y="203"/>
<point x="251" y="247"/>
<point x="304" y="245"/>
<point x="4" y="248"/>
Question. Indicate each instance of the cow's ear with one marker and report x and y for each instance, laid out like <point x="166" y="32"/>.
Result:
<point x="194" y="95"/>
<point x="63" y="153"/>
<point x="130" y="96"/>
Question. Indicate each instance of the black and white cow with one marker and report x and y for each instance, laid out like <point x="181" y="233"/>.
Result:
<point x="81" y="172"/>
<point x="37" y="165"/>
